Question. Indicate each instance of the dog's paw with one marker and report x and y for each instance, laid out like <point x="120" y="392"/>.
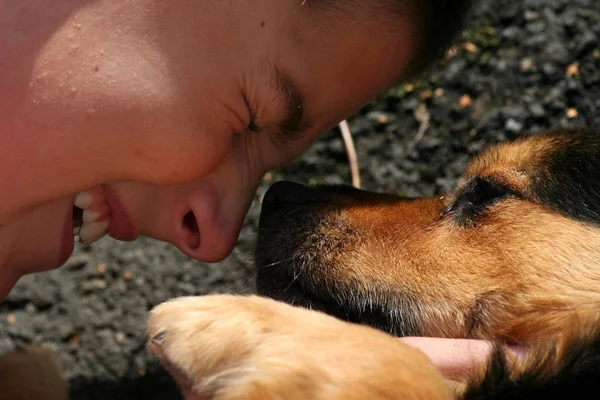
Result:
<point x="234" y="347"/>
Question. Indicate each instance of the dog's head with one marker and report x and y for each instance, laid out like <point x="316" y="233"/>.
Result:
<point x="512" y="253"/>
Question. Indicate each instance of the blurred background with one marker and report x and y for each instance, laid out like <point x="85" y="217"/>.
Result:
<point x="522" y="66"/>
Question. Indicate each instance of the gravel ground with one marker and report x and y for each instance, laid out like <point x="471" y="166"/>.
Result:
<point x="524" y="65"/>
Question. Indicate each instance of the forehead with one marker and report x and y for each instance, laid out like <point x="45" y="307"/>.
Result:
<point x="386" y="11"/>
<point x="340" y="62"/>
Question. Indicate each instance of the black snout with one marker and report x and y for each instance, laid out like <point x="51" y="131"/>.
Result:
<point x="284" y="193"/>
<point x="284" y="197"/>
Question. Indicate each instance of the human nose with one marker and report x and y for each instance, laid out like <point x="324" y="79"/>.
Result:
<point x="201" y="218"/>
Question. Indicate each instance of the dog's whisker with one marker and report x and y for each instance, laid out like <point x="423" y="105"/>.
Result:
<point x="275" y="263"/>
<point x="302" y="268"/>
<point x="291" y="212"/>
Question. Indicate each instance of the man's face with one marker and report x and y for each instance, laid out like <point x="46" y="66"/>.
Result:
<point x="167" y="113"/>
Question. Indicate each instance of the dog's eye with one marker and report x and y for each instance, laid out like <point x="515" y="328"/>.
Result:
<point x="475" y="198"/>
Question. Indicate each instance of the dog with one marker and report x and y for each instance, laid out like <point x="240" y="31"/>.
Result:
<point x="511" y="255"/>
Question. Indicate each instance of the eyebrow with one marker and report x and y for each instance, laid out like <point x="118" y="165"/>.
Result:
<point x="296" y="120"/>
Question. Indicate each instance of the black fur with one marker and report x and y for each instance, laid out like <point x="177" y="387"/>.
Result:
<point x="573" y="375"/>
<point x="475" y="198"/>
<point x="568" y="179"/>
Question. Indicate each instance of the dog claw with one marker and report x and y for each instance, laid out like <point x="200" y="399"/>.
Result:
<point x="159" y="338"/>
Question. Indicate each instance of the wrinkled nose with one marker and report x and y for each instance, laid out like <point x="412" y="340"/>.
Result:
<point x="284" y="193"/>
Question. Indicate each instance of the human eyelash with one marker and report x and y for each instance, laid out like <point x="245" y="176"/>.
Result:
<point x="252" y="126"/>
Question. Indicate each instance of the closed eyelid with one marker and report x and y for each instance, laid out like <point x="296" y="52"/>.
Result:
<point x="295" y="122"/>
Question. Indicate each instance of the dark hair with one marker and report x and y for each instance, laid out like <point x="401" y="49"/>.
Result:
<point x="438" y="24"/>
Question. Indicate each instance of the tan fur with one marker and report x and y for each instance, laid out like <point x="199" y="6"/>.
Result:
<point x="31" y="373"/>
<point x="511" y="162"/>
<point x="233" y="347"/>
<point x="520" y="263"/>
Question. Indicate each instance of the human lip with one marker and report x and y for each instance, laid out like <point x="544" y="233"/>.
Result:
<point x="67" y="244"/>
<point x="121" y="226"/>
<point x="98" y="212"/>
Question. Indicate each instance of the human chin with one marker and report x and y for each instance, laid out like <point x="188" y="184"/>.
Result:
<point x="38" y="240"/>
<point x="7" y="282"/>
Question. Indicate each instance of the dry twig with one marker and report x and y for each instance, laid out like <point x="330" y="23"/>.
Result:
<point x="351" y="152"/>
<point x="422" y="116"/>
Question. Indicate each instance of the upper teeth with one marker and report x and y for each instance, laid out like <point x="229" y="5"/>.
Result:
<point x="93" y="224"/>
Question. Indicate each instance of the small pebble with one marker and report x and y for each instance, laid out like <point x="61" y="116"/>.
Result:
<point x="513" y="125"/>
<point x="465" y="101"/>
<point x="572" y="70"/>
<point x="426" y="94"/>
<point x="120" y="337"/>
<point x="526" y="64"/>
<point x="470" y="47"/>
<point x="74" y="340"/>
<point x="537" y="110"/>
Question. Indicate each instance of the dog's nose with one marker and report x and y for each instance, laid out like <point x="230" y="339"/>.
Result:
<point x="289" y="193"/>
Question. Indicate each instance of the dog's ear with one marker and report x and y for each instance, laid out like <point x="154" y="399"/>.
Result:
<point x="567" y="179"/>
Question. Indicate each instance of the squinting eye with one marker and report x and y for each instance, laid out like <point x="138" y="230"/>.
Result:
<point x="476" y="197"/>
<point x="484" y="192"/>
<point x="252" y="126"/>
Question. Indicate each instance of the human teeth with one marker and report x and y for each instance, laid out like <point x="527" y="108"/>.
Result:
<point x="83" y="200"/>
<point x="92" y="231"/>
<point x="90" y="216"/>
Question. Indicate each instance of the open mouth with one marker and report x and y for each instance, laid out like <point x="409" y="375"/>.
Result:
<point x="77" y="222"/>
<point x="91" y="216"/>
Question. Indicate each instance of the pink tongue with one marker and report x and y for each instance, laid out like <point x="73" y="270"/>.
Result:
<point x="455" y="357"/>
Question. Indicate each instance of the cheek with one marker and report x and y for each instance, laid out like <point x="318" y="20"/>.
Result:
<point x="165" y="159"/>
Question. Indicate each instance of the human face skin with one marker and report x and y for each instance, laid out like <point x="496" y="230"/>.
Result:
<point x="148" y="104"/>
